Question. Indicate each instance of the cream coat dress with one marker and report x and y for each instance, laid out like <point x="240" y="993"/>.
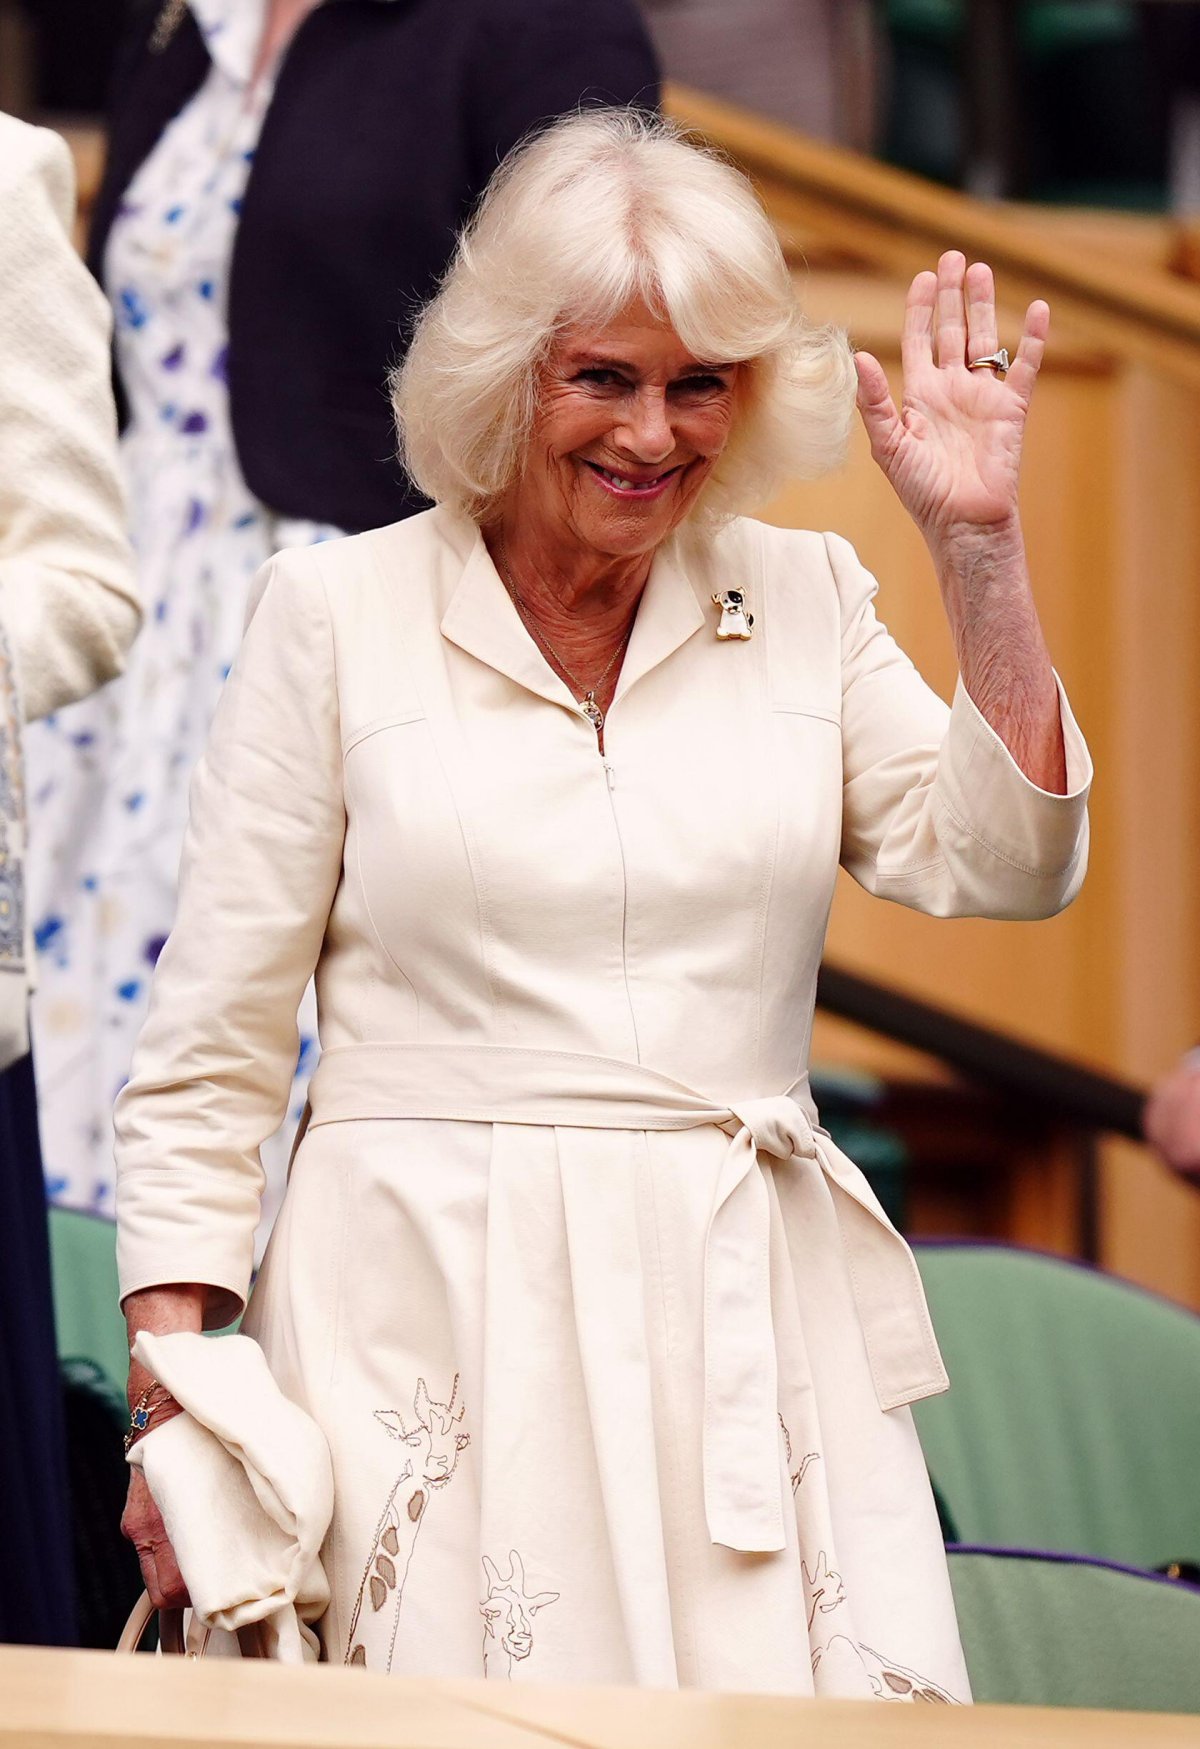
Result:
<point x="611" y="1345"/>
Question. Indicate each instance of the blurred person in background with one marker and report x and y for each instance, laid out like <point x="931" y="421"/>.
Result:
<point x="809" y="63"/>
<point x="284" y="178"/>
<point x="1172" y="1118"/>
<point x="68" y="613"/>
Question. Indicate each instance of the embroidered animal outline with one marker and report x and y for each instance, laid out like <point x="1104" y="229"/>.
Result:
<point x="824" y="1587"/>
<point x="435" y="1441"/>
<point x="796" y="1476"/>
<point x="888" y="1680"/>
<point x="508" y="1611"/>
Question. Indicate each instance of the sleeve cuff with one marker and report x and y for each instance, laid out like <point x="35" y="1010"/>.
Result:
<point x="992" y="799"/>
<point x="228" y="1284"/>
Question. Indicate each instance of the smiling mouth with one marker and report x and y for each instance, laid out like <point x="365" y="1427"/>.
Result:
<point x="624" y="487"/>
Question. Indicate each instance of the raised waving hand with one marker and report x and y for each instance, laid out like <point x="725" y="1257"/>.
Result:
<point x="953" y="449"/>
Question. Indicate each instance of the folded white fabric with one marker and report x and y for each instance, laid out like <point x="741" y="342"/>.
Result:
<point x="244" y="1483"/>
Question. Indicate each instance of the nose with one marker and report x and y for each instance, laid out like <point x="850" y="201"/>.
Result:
<point x="646" y="433"/>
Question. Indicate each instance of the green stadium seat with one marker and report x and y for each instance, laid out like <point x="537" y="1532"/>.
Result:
<point x="83" y="1260"/>
<point x="1073" y="1419"/>
<point x="1055" y="1630"/>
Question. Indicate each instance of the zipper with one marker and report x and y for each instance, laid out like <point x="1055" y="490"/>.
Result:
<point x="610" y="778"/>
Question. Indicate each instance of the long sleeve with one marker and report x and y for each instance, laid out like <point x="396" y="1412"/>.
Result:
<point x="261" y="863"/>
<point x="67" y="592"/>
<point x="936" y="813"/>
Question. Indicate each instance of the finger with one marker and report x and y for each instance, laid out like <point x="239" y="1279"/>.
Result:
<point x="1028" y="362"/>
<point x="146" y="1562"/>
<point x="875" y="404"/>
<point x="951" y="310"/>
<point x="916" y="336"/>
<point x="170" y="1580"/>
<point x="982" y="338"/>
<point x="161" y="1575"/>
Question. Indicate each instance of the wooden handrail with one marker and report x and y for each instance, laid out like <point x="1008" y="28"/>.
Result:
<point x="821" y="194"/>
<point x="1038" y="1081"/>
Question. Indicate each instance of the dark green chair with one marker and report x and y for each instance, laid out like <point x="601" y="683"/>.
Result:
<point x="847" y="1100"/>
<point x="1054" y="1630"/>
<point x="83" y="1261"/>
<point x="1073" y="1419"/>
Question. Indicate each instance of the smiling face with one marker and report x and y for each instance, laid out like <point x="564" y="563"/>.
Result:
<point x="629" y="427"/>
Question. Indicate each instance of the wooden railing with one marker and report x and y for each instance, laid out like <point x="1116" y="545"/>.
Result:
<point x="824" y="196"/>
<point x="1006" y="1145"/>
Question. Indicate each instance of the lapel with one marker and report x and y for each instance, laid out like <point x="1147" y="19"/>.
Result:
<point x="482" y="620"/>
<point x="667" y="616"/>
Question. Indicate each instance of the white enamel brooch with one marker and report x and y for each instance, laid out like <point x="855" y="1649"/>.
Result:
<point x="734" y="622"/>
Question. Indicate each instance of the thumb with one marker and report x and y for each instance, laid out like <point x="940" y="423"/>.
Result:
<point x="876" y="406"/>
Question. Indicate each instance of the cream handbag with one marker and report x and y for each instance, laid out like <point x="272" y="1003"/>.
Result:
<point x="173" y="1641"/>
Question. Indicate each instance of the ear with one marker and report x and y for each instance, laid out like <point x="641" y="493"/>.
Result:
<point x="490" y="1574"/>
<point x="462" y="1441"/>
<point x="533" y="1604"/>
<point x="421" y="1403"/>
<point x="393" y="1421"/>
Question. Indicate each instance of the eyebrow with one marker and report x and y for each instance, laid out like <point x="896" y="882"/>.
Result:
<point x="585" y="359"/>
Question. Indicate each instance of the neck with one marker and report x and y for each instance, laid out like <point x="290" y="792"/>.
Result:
<point x="582" y="604"/>
<point x="568" y="586"/>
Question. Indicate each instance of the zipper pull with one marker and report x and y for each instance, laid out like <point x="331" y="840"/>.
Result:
<point x="610" y="774"/>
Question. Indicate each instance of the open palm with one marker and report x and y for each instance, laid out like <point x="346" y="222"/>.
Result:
<point x="953" y="451"/>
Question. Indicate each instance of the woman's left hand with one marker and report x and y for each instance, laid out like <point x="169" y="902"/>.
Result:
<point x="953" y="452"/>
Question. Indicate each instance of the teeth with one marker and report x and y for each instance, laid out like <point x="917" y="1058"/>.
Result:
<point x="628" y="485"/>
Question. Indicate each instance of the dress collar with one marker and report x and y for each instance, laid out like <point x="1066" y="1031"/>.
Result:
<point x="482" y="620"/>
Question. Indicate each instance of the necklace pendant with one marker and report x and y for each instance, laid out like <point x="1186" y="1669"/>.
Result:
<point x="592" y="711"/>
<point x="734" y="622"/>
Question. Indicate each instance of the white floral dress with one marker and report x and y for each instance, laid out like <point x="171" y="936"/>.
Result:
<point x="108" y="778"/>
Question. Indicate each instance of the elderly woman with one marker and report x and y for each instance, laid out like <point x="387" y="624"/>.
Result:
<point x="611" y="1346"/>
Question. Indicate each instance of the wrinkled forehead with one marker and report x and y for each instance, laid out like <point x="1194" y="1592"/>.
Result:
<point x="638" y="341"/>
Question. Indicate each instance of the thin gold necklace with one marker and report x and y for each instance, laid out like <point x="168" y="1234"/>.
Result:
<point x="586" y="695"/>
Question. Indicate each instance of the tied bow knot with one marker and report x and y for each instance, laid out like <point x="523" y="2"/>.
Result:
<point x="777" y="1126"/>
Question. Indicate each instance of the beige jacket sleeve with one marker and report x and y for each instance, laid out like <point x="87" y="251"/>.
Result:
<point x="936" y="812"/>
<point x="261" y="861"/>
<point x="67" y="592"/>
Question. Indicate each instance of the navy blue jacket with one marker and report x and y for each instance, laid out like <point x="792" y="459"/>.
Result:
<point x="387" y="120"/>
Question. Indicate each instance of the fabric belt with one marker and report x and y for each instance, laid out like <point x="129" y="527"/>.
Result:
<point x="504" y="1084"/>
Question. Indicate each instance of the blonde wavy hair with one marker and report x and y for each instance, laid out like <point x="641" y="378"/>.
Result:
<point x="602" y="208"/>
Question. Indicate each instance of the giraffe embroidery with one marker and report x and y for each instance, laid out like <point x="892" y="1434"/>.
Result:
<point x="889" y="1681"/>
<point x="824" y="1587"/>
<point x="434" y="1444"/>
<point x="796" y="1476"/>
<point x="508" y="1612"/>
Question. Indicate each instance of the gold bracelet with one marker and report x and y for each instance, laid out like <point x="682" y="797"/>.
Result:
<point x="143" y="1411"/>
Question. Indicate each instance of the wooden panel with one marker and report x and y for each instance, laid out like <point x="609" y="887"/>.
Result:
<point x="92" y="1700"/>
